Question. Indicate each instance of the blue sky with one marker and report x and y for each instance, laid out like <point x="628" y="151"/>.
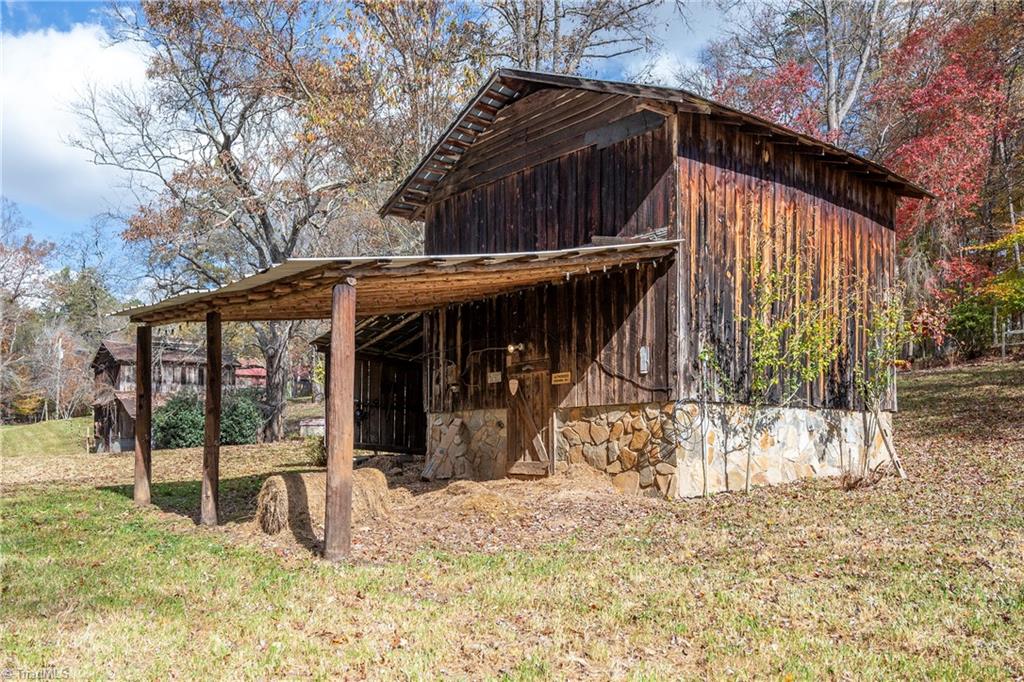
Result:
<point x="51" y="50"/>
<point x="19" y="17"/>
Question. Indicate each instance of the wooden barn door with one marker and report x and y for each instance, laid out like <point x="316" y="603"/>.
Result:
<point x="529" y="419"/>
<point x="388" y="403"/>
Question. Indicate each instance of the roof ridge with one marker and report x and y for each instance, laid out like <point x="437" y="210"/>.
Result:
<point x="497" y="92"/>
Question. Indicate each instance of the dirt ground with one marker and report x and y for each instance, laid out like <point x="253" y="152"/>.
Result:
<point x="479" y="516"/>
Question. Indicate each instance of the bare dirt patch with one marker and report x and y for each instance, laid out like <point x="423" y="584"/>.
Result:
<point x="466" y="515"/>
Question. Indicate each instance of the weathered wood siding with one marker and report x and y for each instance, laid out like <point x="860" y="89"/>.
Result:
<point x="560" y="181"/>
<point x="561" y="167"/>
<point x="388" y="404"/>
<point x="592" y="327"/>
<point x="738" y="190"/>
<point x="557" y="169"/>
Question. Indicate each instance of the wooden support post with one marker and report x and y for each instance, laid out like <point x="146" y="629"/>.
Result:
<point x="340" y="426"/>
<point x="211" y="435"/>
<point x="143" y="412"/>
<point x="327" y="395"/>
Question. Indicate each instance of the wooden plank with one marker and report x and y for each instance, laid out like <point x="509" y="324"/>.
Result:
<point x="390" y="330"/>
<point x="143" y="413"/>
<point x="623" y="129"/>
<point x="209" y="496"/>
<point x="338" y="507"/>
<point x="532" y="152"/>
<point x="528" y="468"/>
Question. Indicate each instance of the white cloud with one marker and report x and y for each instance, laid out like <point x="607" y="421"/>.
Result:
<point x="43" y="74"/>
<point x="681" y="41"/>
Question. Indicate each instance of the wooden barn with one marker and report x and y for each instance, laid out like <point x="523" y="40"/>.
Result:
<point x="387" y="391"/>
<point x="178" y="366"/>
<point x="584" y="240"/>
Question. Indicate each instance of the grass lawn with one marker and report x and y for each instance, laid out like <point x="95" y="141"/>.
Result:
<point x="298" y="409"/>
<point x="923" y="578"/>
<point x="58" y="436"/>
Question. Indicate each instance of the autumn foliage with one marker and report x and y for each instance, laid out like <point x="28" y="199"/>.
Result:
<point x="933" y="90"/>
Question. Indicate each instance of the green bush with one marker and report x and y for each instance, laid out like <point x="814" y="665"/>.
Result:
<point x="970" y="325"/>
<point x="181" y="421"/>
<point x="241" y="419"/>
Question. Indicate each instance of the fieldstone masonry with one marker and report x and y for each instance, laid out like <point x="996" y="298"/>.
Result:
<point x="656" y="449"/>
<point x="636" y="444"/>
<point x="478" y="450"/>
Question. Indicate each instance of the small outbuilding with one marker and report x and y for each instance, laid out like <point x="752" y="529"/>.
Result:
<point x="177" y="366"/>
<point x="584" y="241"/>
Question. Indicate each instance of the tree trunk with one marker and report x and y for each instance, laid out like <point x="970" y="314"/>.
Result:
<point x="273" y="338"/>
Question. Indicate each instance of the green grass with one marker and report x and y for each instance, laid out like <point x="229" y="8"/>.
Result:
<point x="902" y="580"/>
<point x="58" y="436"/>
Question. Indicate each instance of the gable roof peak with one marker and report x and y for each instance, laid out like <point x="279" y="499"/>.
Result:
<point x="508" y="85"/>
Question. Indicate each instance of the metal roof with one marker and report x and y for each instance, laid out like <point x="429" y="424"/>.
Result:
<point x="300" y="288"/>
<point x="506" y="86"/>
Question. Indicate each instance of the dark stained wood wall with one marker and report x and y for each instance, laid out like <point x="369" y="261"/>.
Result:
<point x="738" y="190"/>
<point x="592" y="327"/>
<point x="562" y="167"/>
<point x="596" y="186"/>
<point x="388" y="404"/>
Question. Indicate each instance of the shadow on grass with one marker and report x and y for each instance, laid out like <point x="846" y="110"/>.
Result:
<point x="980" y="398"/>
<point x="237" y="496"/>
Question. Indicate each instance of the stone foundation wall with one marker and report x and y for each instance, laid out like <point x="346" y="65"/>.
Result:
<point x="637" y="444"/>
<point x="479" y="448"/>
<point x="656" y="449"/>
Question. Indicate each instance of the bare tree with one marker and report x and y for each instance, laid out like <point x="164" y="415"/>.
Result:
<point x="23" y="263"/>
<point x="417" y="63"/>
<point x="229" y="172"/>
<point x="61" y="373"/>
<point x="838" y="42"/>
<point x="566" y="36"/>
<point x="91" y="285"/>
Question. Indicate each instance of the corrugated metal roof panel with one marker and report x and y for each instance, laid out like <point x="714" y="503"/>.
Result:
<point x="391" y="284"/>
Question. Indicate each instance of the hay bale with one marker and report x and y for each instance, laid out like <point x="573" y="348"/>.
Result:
<point x="369" y="495"/>
<point x="296" y="501"/>
<point x="272" y="506"/>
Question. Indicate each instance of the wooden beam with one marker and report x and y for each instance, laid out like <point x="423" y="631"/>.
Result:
<point x="143" y="412"/>
<point x="211" y="434"/>
<point x="340" y="426"/>
<point x="392" y="329"/>
<point x="393" y="289"/>
<point x="393" y="351"/>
